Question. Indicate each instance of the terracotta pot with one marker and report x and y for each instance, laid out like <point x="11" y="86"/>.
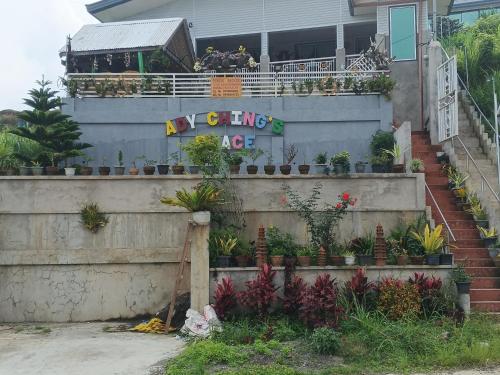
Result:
<point x="417" y="260"/>
<point x="269" y="169"/>
<point x="133" y="171"/>
<point x="149" y="170"/>
<point x="285" y="169"/>
<point x="162" y="169"/>
<point x="52" y="171"/>
<point x="398" y="168"/>
<point x="104" y="171"/>
<point x="304" y="169"/>
<point x="402" y="260"/>
<point x="86" y="171"/>
<point x="234" y="169"/>
<point x="178" y="169"/>
<point x="242" y="260"/>
<point x="252" y="169"/>
<point x="277" y="260"/>
<point x="337" y="260"/>
<point x="304" y="261"/>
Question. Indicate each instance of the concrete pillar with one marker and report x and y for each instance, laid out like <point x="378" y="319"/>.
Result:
<point x="340" y="62"/>
<point x="380" y="41"/>
<point x="340" y="36"/>
<point x="435" y="59"/>
<point x="200" y="270"/>
<point x="264" y="52"/>
<point x="464" y="302"/>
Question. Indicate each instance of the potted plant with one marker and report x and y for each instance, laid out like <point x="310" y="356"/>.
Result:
<point x="399" y="252"/>
<point x="226" y="246"/>
<point x="497" y="261"/>
<point x="103" y="169"/>
<point x="204" y="197"/>
<point x="489" y="236"/>
<point x="163" y="167"/>
<point x="177" y="167"/>
<point x="52" y="169"/>
<point x="134" y="171"/>
<point x="320" y="166"/>
<point x="380" y="160"/>
<point x="461" y="279"/>
<point x="149" y="167"/>
<point x="479" y="214"/>
<point x="243" y="254"/>
<point x="360" y="166"/>
<point x="304" y="168"/>
<point x="86" y="170"/>
<point x="277" y="256"/>
<point x="254" y="154"/>
<point x="494" y="251"/>
<point x="24" y="170"/>
<point x="290" y="154"/>
<point x="349" y="257"/>
<point x="337" y="259"/>
<point x="341" y="162"/>
<point x="36" y="168"/>
<point x="119" y="168"/>
<point x="395" y="154"/>
<point x="69" y="171"/>
<point x="204" y="151"/>
<point x="416" y="166"/>
<point x="363" y="247"/>
<point x="380" y="163"/>
<point x="457" y="180"/>
<point x="234" y="160"/>
<point x="432" y="242"/>
<point x="304" y="254"/>
<point x="269" y="168"/>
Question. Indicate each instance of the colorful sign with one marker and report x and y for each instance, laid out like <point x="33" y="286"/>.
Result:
<point x="226" y="87"/>
<point x="238" y="119"/>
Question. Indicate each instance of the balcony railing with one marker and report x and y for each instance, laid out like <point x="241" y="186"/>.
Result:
<point x="323" y="64"/>
<point x="198" y="85"/>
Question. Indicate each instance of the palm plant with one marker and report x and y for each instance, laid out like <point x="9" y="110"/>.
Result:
<point x="395" y="153"/>
<point x="204" y="197"/>
<point x="226" y="245"/>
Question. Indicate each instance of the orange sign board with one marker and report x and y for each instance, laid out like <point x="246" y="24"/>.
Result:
<point x="226" y="87"/>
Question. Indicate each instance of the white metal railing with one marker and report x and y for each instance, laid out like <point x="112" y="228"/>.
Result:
<point x="359" y="62"/>
<point x="254" y="84"/>
<point x="449" y="231"/>
<point x="322" y="64"/>
<point x="484" y="180"/>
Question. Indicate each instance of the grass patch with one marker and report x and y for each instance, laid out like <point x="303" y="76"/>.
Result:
<point x="369" y="342"/>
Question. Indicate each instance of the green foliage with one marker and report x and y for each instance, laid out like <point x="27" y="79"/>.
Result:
<point x="383" y="84"/>
<point x="280" y="243"/>
<point x="320" y="158"/>
<point x="204" y="150"/>
<point x="398" y="299"/>
<point x="324" y="341"/>
<point x="204" y="197"/>
<point x="459" y="275"/>
<point x="381" y="141"/>
<point x="92" y="218"/>
<point x="363" y="245"/>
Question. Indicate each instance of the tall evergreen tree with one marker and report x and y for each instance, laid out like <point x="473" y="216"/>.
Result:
<point x="47" y="125"/>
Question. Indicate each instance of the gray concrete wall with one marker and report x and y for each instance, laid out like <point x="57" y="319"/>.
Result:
<point x="53" y="269"/>
<point x="314" y="124"/>
<point x="406" y="94"/>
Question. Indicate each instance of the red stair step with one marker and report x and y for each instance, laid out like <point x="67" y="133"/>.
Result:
<point x="485" y="282"/>
<point x="473" y="253"/>
<point x="485" y="294"/>
<point x="483" y="271"/>
<point x="475" y="262"/>
<point x="466" y="234"/>
<point x="458" y="224"/>
<point x="485" y="306"/>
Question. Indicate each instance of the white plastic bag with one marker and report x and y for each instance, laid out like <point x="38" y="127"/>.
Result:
<point x="201" y="325"/>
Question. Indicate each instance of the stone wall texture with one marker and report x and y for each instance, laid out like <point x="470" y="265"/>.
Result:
<point x="53" y="269"/>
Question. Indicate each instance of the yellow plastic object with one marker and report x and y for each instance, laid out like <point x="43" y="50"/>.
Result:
<point x="155" y="325"/>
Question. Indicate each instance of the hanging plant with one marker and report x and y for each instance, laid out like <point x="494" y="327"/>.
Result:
<point x="227" y="61"/>
<point x="92" y="218"/>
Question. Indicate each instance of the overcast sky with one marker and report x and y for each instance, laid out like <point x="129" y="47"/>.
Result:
<point x="31" y="34"/>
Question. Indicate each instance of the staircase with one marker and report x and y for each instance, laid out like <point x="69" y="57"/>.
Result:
<point x="470" y="250"/>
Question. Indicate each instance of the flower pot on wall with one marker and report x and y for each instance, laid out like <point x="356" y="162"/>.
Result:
<point x="194" y="169"/>
<point x="304" y="169"/>
<point x="360" y="167"/>
<point x="304" y="261"/>
<point x="69" y="171"/>
<point x="417" y="260"/>
<point x="162" y="169"/>
<point x="350" y="260"/>
<point x="402" y="260"/>
<point x="24" y="171"/>
<point x="223" y="261"/>
<point x="321" y="169"/>
<point x="285" y="169"/>
<point x="104" y="171"/>
<point x="201" y="217"/>
<point x="365" y="260"/>
<point x="234" y="169"/>
<point x="337" y="260"/>
<point x="269" y="169"/>
<point x="252" y="169"/>
<point x="133" y="171"/>
<point x="242" y="260"/>
<point x="377" y="168"/>
<point x="432" y="260"/>
<point x="463" y="287"/>
<point x="178" y="169"/>
<point x="37" y="171"/>
<point x="119" y="171"/>
<point x="149" y="170"/>
<point x="86" y="171"/>
<point x="52" y="171"/>
<point x="398" y="168"/>
<point x="277" y="260"/>
<point x="338" y="168"/>
<point x="446" y="259"/>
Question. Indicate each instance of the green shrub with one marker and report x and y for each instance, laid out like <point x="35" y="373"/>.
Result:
<point x="398" y="299"/>
<point x="324" y="341"/>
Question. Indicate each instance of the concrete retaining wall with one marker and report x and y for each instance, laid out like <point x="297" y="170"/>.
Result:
<point x="53" y="269"/>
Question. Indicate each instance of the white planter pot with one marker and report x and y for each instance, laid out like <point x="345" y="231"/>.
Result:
<point x="350" y="260"/>
<point x="201" y="217"/>
<point x="69" y="171"/>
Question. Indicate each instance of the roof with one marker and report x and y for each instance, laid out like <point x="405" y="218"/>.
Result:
<point x="109" y="10"/>
<point x="124" y="36"/>
<point x="466" y="5"/>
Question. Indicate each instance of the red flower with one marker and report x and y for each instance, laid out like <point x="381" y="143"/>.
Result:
<point x="353" y="202"/>
<point x="339" y="205"/>
<point x="345" y="197"/>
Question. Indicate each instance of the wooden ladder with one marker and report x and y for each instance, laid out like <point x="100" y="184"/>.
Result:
<point x="180" y="275"/>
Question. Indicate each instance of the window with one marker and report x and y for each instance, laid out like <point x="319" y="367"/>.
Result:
<point x="403" y="32"/>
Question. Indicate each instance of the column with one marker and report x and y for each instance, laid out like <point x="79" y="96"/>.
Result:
<point x="264" y="52"/>
<point x="200" y="269"/>
<point x="340" y="52"/>
<point x="435" y="59"/>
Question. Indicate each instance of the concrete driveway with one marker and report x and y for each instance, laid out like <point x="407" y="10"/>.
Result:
<point x="83" y="349"/>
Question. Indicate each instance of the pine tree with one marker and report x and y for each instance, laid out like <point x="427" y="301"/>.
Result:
<point x="47" y="125"/>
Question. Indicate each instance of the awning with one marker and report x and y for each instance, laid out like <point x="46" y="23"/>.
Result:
<point x="171" y="34"/>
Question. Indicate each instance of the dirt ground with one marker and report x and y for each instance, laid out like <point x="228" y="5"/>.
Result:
<point x="83" y="349"/>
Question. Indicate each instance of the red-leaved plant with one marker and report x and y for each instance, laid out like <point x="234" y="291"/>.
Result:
<point x="429" y="289"/>
<point x="319" y="304"/>
<point x="293" y="295"/>
<point x="359" y="290"/>
<point x="224" y="298"/>
<point x="260" y="293"/>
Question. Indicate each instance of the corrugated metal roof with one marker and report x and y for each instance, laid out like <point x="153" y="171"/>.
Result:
<point x="124" y="35"/>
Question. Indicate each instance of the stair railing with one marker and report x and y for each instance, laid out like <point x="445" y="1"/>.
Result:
<point x="484" y="180"/>
<point x="449" y="231"/>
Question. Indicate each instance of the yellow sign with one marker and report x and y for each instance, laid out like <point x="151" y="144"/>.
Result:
<point x="226" y="87"/>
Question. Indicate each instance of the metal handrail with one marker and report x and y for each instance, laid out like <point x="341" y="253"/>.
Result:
<point x="484" y="180"/>
<point x="450" y="232"/>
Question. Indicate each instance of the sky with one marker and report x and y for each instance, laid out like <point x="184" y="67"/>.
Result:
<point x="31" y="34"/>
